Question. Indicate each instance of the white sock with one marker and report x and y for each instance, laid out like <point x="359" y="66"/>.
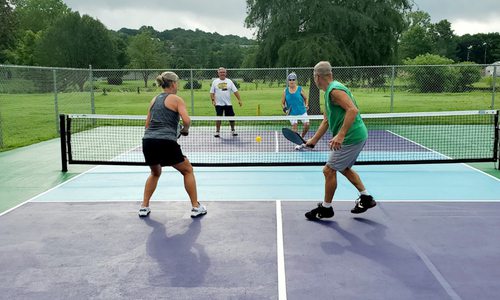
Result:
<point x="365" y="193"/>
<point x="326" y="204"/>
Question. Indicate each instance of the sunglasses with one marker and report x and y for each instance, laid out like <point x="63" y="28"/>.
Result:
<point x="291" y="79"/>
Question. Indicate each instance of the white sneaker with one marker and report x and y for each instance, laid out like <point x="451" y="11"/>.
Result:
<point x="217" y="134"/>
<point x="198" y="211"/>
<point x="144" y="211"/>
<point x="299" y="147"/>
<point x="234" y="133"/>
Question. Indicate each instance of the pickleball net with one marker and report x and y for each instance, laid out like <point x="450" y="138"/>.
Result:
<point x="394" y="138"/>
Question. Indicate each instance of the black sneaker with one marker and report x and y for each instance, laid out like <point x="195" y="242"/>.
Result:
<point x="320" y="212"/>
<point x="363" y="203"/>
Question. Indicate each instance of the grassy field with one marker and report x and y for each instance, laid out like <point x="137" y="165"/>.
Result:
<point x="30" y="118"/>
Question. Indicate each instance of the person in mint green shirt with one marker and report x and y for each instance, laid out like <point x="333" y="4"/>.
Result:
<point x="349" y="134"/>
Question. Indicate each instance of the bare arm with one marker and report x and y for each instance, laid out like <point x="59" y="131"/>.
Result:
<point x="323" y="127"/>
<point x="306" y="100"/>
<point x="283" y="101"/>
<point x="212" y="96"/>
<point x="148" y="118"/>
<point x="351" y="111"/>
<point x="182" y="110"/>
<point x="237" y="94"/>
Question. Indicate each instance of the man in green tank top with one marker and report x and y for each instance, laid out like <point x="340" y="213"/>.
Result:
<point x="349" y="134"/>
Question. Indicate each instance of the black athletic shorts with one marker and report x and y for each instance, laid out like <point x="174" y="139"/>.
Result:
<point x="163" y="152"/>
<point x="224" y="110"/>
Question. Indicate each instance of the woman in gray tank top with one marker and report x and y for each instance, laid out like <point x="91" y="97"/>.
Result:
<point x="159" y="144"/>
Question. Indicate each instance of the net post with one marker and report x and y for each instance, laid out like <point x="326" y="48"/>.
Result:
<point x="496" y="145"/>
<point x="62" y="132"/>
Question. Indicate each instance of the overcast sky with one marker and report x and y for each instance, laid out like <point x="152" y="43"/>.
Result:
<point x="227" y="17"/>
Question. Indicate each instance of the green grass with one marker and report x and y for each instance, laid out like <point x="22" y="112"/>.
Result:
<point x="30" y="118"/>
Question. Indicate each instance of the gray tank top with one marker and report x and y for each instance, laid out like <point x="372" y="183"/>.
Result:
<point x="164" y="123"/>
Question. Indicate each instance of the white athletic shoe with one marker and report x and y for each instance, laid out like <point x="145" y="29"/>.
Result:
<point x="299" y="147"/>
<point x="234" y="133"/>
<point x="198" y="211"/>
<point x="144" y="211"/>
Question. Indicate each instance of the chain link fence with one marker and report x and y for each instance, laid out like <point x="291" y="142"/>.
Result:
<point x="31" y="98"/>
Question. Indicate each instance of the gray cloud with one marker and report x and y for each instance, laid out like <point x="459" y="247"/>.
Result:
<point x="227" y="17"/>
<point x="224" y="17"/>
<point x="460" y="9"/>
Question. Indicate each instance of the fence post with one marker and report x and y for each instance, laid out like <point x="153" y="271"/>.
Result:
<point x="91" y="78"/>
<point x="56" y="103"/>
<point x="392" y="88"/>
<point x="493" y="86"/>
<point x="1" y="132"/>
<point x="192" y="91"/>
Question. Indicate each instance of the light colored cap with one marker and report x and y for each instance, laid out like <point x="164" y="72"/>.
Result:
<point x="292" y="76"/>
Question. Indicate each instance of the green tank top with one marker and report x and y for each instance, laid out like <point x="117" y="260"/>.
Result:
<point x="335" y="115"/>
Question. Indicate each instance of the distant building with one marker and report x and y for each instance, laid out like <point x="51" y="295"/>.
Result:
<point x="490" y="69"/>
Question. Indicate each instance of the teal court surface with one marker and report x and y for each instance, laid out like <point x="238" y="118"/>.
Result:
<point x="433" y="235"/>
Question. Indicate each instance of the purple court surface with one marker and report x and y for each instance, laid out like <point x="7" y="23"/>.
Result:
<point x="433" y="235"/>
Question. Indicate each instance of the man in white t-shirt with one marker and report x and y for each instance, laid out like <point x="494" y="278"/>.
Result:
<point x="220" y="93"/>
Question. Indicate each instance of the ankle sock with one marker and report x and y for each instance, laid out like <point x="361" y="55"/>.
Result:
<point x="326" y="204"/>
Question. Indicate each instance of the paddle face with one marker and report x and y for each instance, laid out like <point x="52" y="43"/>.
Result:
<point x="293" y="137"/>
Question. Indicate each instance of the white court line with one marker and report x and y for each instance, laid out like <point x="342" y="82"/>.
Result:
<point x="425" y="259"/>
<point x="418" y="144"/>
<point x="484" y="173"/>
<point x="272" y="200"/>
<point x="277" y="142"/>
<point x="280" y="253"/>
<point x="445" y="156"/>
<point x="41" y="194"/>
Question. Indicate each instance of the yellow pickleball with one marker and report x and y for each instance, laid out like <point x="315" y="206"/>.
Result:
<point x="258" y="139"/>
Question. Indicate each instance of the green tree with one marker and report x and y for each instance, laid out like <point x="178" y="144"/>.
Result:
<point x="24" y="51"/>
<point x="430" y="79"/>
<point x="422" y="36"/>
<point x="120" y="44"/>
<point x="76" y="41"/>
<point x="444" y="39"/>
<point x="417" y="39"/>
<point x="8" y="24"/>
<point x="36" y="15"/>
<point x="303" y="32"/>
<point x="147" y="52"/>
<point x="479" y="48"/>
<point x="360" y="32"/>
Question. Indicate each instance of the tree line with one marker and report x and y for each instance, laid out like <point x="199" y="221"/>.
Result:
<point x="288" y="33"/>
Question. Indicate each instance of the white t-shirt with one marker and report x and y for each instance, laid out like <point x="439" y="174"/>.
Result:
<point x="222" y="90"/>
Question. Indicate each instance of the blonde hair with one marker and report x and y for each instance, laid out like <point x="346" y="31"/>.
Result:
<point x="166" y="79"/>
<point x="323" y="69"/>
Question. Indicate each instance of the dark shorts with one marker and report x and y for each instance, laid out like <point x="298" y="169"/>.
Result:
<point x="224" y="110"/>
<point x="162" y="152"/>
